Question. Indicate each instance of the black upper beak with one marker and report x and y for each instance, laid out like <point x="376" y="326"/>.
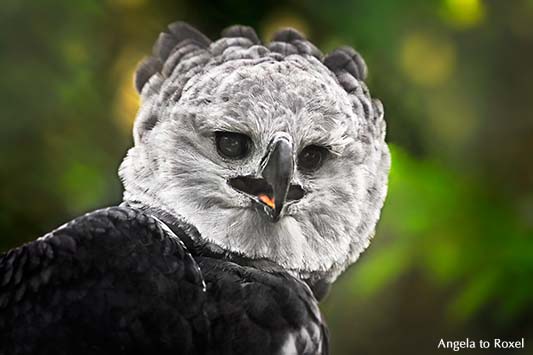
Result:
<point x="277" y="168"/>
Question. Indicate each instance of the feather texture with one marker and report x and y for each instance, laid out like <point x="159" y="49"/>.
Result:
<point x="238" y="84"/>
<point x="118" y="281"/>
<point x="240" y="31"/>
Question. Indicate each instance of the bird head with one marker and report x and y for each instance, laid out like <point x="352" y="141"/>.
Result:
<point x="272" y="151"/>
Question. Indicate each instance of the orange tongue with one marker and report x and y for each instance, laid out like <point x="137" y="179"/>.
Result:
<point x="267" y="200"/>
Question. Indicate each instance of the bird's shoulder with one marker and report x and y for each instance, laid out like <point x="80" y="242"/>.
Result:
<point x="118" y="280"/>
<point x="113" y="279"/>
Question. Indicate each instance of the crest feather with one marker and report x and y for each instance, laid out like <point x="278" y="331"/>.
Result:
<point x="288" y="35"/>
<point x="180" y="34"/>
<point x="346" y="58"/>
<point x="240" y="31"/>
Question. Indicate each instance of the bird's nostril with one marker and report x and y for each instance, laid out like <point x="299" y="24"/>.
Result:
<point x="295" y="193"/>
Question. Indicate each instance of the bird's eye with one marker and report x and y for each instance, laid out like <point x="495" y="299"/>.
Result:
<point x="232" y="145"/>
<point x="311" y="158"/>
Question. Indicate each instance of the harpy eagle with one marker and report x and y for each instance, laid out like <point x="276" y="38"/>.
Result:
<point x="257" y="176"/>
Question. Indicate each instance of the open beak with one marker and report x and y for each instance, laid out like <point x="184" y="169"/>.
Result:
<point x="272" y="188"/>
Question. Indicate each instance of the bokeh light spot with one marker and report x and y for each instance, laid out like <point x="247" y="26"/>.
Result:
<point x="428" y="60"/>
<point x="463" y="14"/>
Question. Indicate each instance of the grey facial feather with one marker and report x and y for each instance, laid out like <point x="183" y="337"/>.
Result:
<point x="239" y="86"/>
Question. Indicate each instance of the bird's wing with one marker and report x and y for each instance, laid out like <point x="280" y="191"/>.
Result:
<point x="110" y="282"/>
<point x="256" y="312"/>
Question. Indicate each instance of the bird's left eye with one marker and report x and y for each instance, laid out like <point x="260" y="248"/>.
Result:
<point x="311" y="158"/>
<point x="232" y="145"/>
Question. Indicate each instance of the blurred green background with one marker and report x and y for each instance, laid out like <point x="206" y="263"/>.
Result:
<point x="453" y="254"/>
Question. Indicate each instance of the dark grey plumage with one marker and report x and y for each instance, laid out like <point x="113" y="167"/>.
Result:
<point x="346" y="59"/>
<point x="240" y="31"/>
<point x="145" y="71"/>
<point x="179" y="35"/>
<point x="116" y="281"/>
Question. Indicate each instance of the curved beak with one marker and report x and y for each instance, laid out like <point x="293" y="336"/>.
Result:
<point x="277" y="168"/>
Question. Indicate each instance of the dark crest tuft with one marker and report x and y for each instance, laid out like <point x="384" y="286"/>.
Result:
<point x="283" y="48"/>
<point x="179" y="34"/>
<point x="288" y="41"/>
<point x="346" y="59"/>
<point x="287" y="35"/>
<point x="241" y="31"/>
<point x="183" y="31"/>
<point x="145" y="70"/>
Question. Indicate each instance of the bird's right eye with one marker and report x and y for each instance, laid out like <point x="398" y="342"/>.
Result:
<point x="232" y="145"/>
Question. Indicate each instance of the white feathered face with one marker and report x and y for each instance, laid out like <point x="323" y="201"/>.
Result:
<point x="268" y="160"/>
